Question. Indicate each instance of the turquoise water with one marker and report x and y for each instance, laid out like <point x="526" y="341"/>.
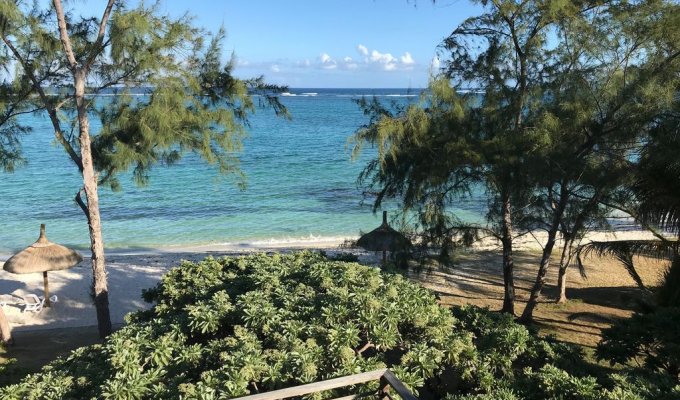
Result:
<point x="301" y="186"/>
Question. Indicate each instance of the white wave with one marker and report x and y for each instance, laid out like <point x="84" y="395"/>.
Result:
<point x="310" y="239"/>
<point x="287" y="94"/>
<point x="375" y="95"/>
<point x="309" y="94"/>
<point x="115" y="94"/>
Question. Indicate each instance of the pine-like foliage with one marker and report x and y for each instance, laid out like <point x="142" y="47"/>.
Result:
<point x="191" y="101"/>
<point x="11" y="130"/>
<point x="543" y="103"/>
<point x="172" y="95"/>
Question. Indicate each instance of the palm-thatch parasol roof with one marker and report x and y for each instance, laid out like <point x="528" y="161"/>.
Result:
<point x="42" y="256"/>
<point x="384" y="238"/>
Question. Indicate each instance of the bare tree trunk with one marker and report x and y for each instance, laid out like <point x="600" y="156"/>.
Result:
<point x="5" y="332"/>
<point x="80" y="71"/>
<point x="558" y="211"/>
<point x="528" y="314"/>
<point x="101" y="292"/>
<point x="508" y="262"/>
<point x="567" y="249"/>
<point x="565" y="260"/>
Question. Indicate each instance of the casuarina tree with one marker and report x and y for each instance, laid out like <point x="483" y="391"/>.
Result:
<point x="192" y="102"/>
<point x="486" y="136"/>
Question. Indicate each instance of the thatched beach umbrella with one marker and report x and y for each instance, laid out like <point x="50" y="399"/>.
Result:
<point x="42" y="256"/>
<point x="384" y="238"/>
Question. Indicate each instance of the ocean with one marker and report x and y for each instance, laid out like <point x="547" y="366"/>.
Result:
<point x="301" y="185"/>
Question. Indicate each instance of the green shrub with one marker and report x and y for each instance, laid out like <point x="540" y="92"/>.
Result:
<point x="230" y="327"/>
<point x="235" y="326"/>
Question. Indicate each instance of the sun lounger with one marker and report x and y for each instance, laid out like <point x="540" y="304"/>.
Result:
<point x="33" y="303"/>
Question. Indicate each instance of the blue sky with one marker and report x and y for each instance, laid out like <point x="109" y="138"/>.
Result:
<point x="329" y="43"/>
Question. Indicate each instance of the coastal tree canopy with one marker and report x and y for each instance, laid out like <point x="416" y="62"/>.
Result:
<point x="541" y="103"/>
<point x="172" y="95"/>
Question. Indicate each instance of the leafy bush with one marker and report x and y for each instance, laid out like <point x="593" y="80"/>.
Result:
<point x="230" y="327"/>
<point x="235" y="326"/>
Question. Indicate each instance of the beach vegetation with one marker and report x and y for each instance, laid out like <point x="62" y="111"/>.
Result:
<point x="63" y="63"/>
<point x="650" y="336"/>
<point x="11" y="129"/>
<point x="546" y="106"/>
<point x="223" y="328"/>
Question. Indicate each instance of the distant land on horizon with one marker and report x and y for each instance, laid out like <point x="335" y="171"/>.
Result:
<point x="358" y="91"/>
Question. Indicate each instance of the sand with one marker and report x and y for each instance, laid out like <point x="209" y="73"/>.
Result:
<point x="129" y="272"/>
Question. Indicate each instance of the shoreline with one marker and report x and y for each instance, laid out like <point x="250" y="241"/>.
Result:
<point x="528" y="241"/>
<point x="240" y="247"/>
<point x="132" y="270"/>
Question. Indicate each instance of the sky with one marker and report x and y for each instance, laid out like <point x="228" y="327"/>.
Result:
<point x="327" y="43"/>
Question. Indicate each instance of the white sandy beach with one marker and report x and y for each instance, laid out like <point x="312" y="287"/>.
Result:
<point x="130" y="272"/>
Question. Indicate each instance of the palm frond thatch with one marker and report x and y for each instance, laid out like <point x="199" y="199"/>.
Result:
<point x="42" y="256"/>
<point x="384" y="238"/>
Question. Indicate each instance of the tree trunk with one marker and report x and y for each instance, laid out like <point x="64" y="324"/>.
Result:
<point x="5" y="332"/>
<point x="528" y="314"/>
<point x="46" y="288"/>
<point x="567" y="250"/>
<point x="101" y="293"/>
<point x="558" y="211"/>
<point x="86" y="165"/>
<point x="565" y="260"/>
<point x="508" y="262"/>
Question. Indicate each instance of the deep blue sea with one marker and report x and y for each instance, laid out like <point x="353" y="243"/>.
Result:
<point x="301" y="185"/>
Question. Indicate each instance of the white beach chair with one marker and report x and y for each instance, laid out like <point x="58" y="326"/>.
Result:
<point x="33" y="303"/>
<point x="53" y="299"/>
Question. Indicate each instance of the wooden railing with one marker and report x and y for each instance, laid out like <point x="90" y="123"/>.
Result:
<point x="386" y="377"/>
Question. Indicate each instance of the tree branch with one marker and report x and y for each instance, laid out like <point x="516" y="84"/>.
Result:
<point x="81" y="203"/>
<point x="63" y="35"/>
<point x="97" y="45"/>
<point x="653" y="230"/>
<point x="28" y="68"/>
<point x="365" y="347"/>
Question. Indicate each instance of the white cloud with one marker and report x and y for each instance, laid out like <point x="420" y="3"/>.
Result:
<point x="388" y="61"/>
<point x="384" y="58"/>
<point x="327" y="62"/>
<point x="365" y="60"/>
<point x="407" y="59"/>
<point x="348" y="63"/>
